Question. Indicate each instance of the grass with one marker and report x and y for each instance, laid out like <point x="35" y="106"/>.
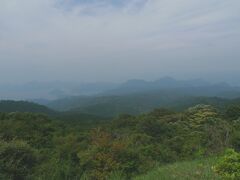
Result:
<point x="193" y="170"/>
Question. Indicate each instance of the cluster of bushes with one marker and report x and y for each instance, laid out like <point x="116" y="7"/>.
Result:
<point x="228" y="166"/>
<point x="34" y="147"/>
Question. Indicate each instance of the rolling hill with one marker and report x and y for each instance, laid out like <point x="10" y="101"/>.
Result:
<point x="24" y="106"/>
<point x="139" y="96"/>
<point x="110" y="106"/>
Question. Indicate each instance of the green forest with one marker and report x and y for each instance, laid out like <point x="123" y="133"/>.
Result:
<point x="198" y="142"/>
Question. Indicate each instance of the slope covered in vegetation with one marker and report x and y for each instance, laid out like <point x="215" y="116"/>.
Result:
<point x="191" y="170"/>
<point x="110" y="106"/>
<point x="32" y="146"/>
<point x="23" y="106"/>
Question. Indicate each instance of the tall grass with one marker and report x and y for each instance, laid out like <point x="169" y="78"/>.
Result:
<point x="193" y="170"/>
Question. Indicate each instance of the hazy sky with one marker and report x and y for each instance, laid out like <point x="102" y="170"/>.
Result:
<point x="115" y="40"/>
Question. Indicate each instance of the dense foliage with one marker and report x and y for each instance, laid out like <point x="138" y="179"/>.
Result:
<point x="229" y="165"/>
<point x="200" y="169"/>
<point x="17" y="159"/>
<point x="34" y="146"/>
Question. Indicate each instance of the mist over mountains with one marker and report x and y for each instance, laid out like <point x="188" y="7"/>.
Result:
<point x="138" y="96"/>
<point x="165" y="83"/>
<point x="132" y="97"/>
<point x="43" y="92"/>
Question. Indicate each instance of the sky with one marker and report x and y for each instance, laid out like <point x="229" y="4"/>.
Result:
<point x="116" y="40"/>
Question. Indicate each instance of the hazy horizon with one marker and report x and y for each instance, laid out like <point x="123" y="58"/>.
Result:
<point x="113" y="40"/>
<point x="51" y="90"/>
<point x="212" y="80"/>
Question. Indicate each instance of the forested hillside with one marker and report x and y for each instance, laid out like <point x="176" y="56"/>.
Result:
<point x="34" y="146"/>
<point x="110" y="106"/>
<point x="80" y="119"/>
<point x="23" y="106"/>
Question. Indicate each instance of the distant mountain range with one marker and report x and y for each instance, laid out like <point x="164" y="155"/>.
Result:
<point x="133" y="96"/>
<point x="194" y="87"/>
<point x="42" y="92"/>
<point x="138" y="96"/>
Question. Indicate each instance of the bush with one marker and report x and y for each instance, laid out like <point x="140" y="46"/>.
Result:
<point x="17" y="159"/>
<point x="229" y="165"/>
<point x="106" y="155"/>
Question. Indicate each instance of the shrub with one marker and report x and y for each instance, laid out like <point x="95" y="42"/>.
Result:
<point x="229" y="165"/>
<point x="106" y="155"/>
<point x="17" y="159"/>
